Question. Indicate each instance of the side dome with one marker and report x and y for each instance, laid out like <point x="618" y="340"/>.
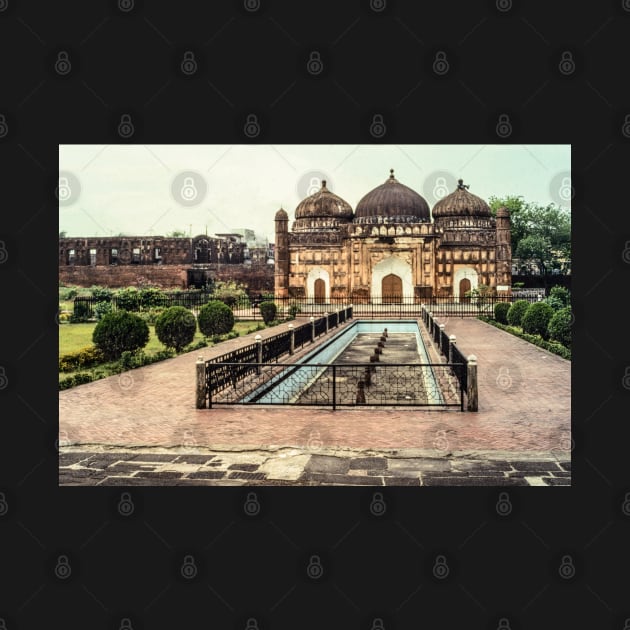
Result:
<point x="392" y="202"/>
<point x="323" y="209"/>
<point x="461" y="203"/>
<point x="281" y="215"/>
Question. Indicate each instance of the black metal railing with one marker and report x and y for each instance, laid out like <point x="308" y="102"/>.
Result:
<point x="346" y="385"/>
<point x="389" y="306"/>
<point x="228" y="369"/>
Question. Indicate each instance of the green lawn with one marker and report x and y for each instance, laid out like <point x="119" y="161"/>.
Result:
<point x="76" y="336"/>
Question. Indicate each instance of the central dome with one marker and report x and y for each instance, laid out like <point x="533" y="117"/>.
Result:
<point x="322" y="209"/>
<point x="392" y="202"/>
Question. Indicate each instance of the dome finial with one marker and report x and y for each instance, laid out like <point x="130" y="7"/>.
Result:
<point x="391" y="173"/>
<point x="461" y="185"/>
<point x="323" y="183"/>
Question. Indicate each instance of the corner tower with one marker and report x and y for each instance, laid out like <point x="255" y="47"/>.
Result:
<point x="281" y="276"/>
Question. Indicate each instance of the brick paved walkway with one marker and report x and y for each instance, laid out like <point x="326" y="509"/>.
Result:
<point x="524" y="406"/>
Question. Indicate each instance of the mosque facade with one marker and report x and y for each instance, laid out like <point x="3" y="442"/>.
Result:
<point x="392" y="247"/>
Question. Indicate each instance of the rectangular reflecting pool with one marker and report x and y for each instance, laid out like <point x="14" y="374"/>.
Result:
<point x="344" y="372"/>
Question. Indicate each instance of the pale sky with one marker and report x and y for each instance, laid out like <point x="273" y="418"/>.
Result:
<point x="154" y="189"/>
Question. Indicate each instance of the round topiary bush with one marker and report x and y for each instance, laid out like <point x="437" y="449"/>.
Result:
<point x="268" y="311"/>
<point x="176" y="327"/>
<point x="516" y="311"/>
<point x="215" y="318"/>
<point x="559" y="327"/>
<point x="536" y="319"/>
<point x="118" y="332"/>
<point x="500" y="312"/>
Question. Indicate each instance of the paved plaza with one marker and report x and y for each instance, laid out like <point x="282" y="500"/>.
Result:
<point x="142" y="428"/>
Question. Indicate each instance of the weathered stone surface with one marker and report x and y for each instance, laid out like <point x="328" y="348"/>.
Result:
<point x="368" y="463"/>
<point x="472" y="481"/>
<point x="326" y="464"/>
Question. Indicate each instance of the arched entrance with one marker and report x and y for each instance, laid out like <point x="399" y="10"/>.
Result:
<point x="391" y="277"/>
<point x="319" y="290"/>
<point x="391" y="289"/>
<point x="464" y="287"/>
<point x="465" y="279"/>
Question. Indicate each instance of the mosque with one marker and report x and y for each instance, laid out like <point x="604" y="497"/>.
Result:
<point x="392" y="248"/>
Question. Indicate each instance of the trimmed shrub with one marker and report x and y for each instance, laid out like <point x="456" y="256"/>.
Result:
<point x="500" y="312"/>
<point x="536" y="319"/>
<point x="120" y="331"/>
<point x="83" y="358"/>
<point x="562" y="294"/>
<point x="101" y="309"/>
<point x="128" y="299"/>
<point x="101" y="294"/>
<point x="215" y="318"/>
<point x="268" y="311"/>
<point x="516" y="312"/>
<point x="294" y="309"/>
<point x="559" y="327"/>
<point x="176" y="327"/>
<point x="152" y="297"/>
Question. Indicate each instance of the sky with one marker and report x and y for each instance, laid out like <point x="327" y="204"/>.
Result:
<point x="154" y="189"/>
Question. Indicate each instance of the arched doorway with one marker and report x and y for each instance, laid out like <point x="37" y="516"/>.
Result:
<point x="391" y="289"/>
<point x="319" y="291"/>
<point x="464" y="287"/>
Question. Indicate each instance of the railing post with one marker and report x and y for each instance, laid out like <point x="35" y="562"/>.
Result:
<point x="334" y="389"/>
<point x="452" y="339"/>
<point x="292" y="339"/>
<point x="201" y="383"/>
<point x="442" y="326"/>
<point x="430" y="323"/>
<point x="312" y="319"/>
<point x="473" y="399"/>
<point x="326" y="321"/>
<point x="258" y="340"/>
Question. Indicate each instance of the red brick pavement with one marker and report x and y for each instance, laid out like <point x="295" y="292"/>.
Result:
<point x="524" y="405"/>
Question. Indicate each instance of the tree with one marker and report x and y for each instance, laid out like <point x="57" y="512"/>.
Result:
<point x="535" y="248"/>
<point x="177" y="234"/>
<point x="547" y="222"/>
<point x="118" y="332"/>
<point x="176" y="327"/>
<point x="62" y="234"/>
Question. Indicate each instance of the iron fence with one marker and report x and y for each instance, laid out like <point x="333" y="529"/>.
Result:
<point x="346" y="385"/>
<point x="382" y="306"/>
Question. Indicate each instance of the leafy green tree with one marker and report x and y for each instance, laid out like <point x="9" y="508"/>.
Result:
<point x="176" y="327"/>
<point x="535" y="248"/>
<point x="215" y="318"/>
<point x="118" y="332"/>
<point x="547" y="222"/>
<point x="177" y="234"/>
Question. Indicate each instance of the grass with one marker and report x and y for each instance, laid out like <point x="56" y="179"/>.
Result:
<point x="76" y="336"/>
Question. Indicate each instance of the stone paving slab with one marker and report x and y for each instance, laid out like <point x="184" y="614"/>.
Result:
<point x="347" y="467"/>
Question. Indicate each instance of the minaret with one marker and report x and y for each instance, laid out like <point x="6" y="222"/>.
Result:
<point x="281" y="276"/>
<point x="504" y="249"/>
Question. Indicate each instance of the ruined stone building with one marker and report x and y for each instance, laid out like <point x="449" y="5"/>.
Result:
<point x="164" y="261"/>
<point x="391" y="247"/>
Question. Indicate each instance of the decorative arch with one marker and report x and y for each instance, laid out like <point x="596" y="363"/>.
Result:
<point x="464" y="273"/>
<point x="392" y="265"/>
<point x="318" y="273"/>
